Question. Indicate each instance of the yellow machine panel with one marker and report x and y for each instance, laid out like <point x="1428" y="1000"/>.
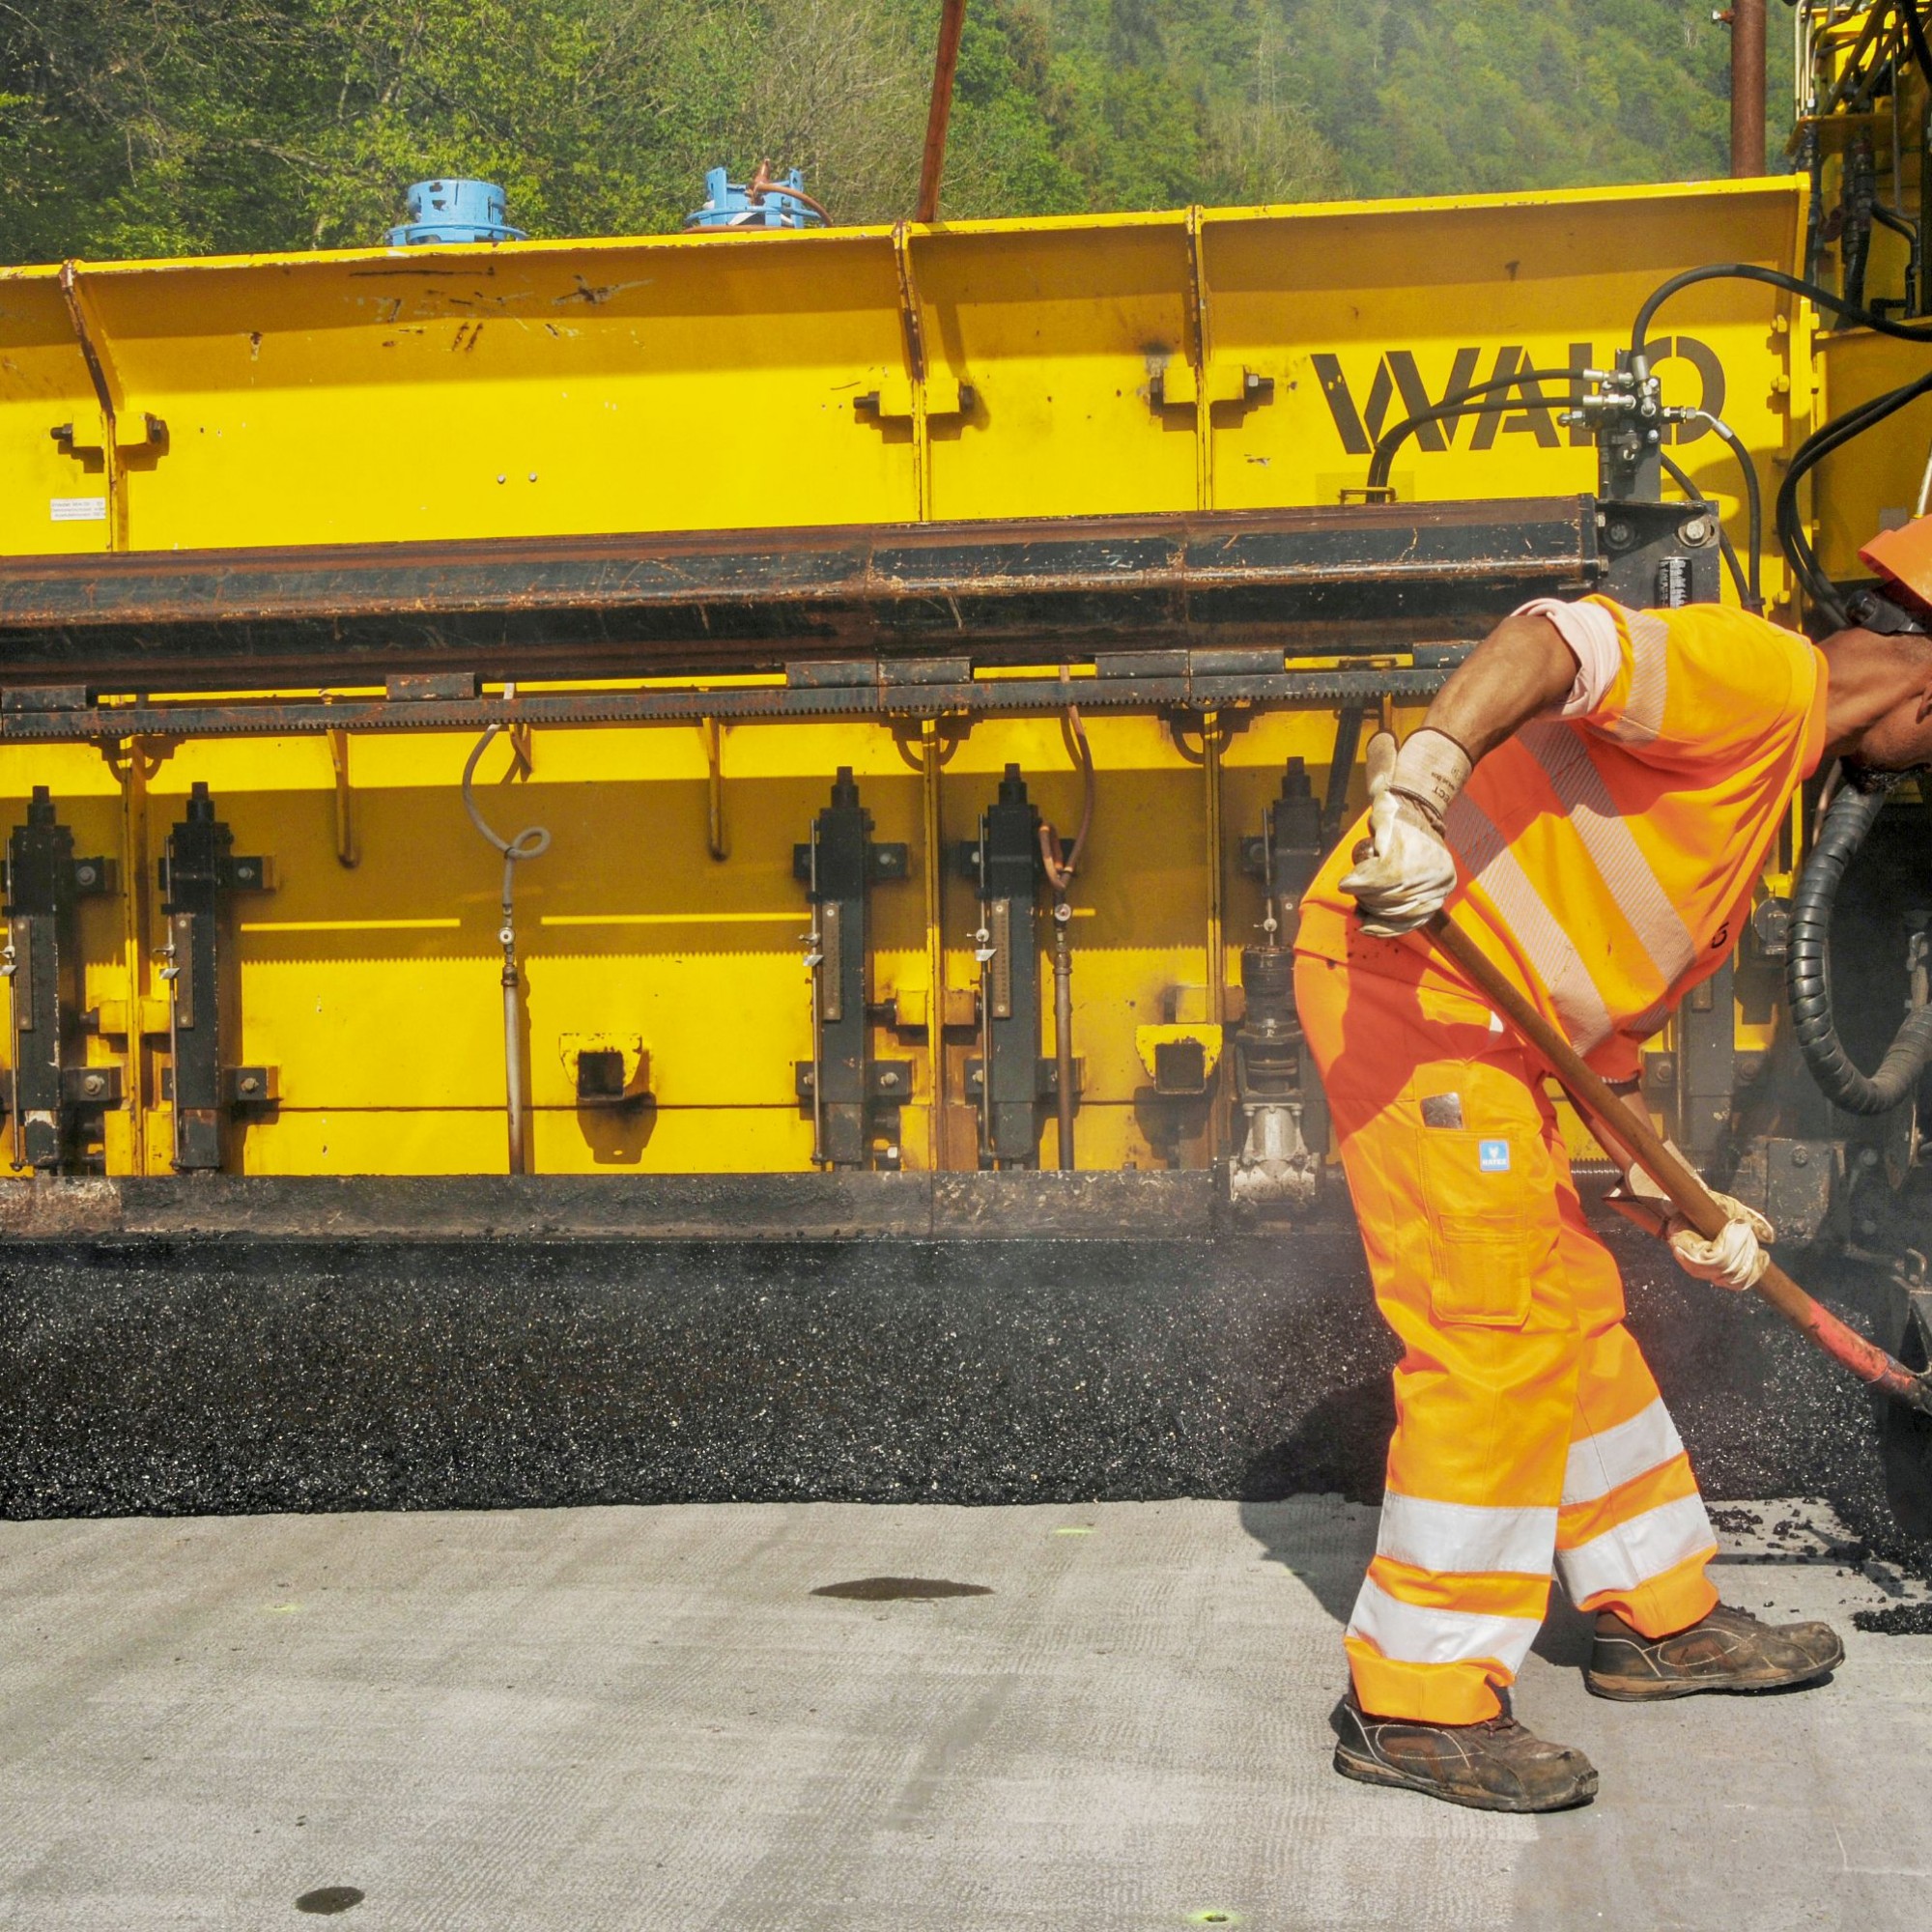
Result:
<point x="1050" y="368"/>
<point x="1205" y="363"/>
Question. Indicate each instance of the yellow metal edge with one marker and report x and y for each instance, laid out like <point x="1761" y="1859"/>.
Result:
<point x="1156" y="220"/>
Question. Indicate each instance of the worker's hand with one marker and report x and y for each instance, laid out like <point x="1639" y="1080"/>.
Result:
<point x="1735" y="1259"/>
<point x="1403" y="870"/>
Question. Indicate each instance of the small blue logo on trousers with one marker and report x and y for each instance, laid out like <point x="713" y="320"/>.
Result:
<point x="1493" y="1156"/>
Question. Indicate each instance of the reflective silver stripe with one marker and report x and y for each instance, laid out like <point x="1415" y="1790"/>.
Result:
<point x="1634" y="1552"/>
<point x="1407" y="1634"/>
<point x="1650" y="679"/>
<point x="1651" y="1018"/>
<point x="1487" y="862"/>
<point x="1465" y="1537"/>
<point x="1659" y="927"/>
<point x="1612" y="1457"/>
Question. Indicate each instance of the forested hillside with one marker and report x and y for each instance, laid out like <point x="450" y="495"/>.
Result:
<point x="158" y="126"/>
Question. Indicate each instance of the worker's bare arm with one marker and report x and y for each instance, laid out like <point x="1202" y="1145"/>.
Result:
<point x="1404" y="870"/>
<point x="1518" y="672"/>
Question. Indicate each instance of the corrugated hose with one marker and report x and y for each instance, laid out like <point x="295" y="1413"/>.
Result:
<point x="1808" y="980"/>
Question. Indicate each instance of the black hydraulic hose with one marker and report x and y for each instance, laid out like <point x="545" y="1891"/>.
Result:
<point x="1914" y="261"/>
<point x="1894" y="220"/>
<point x="1745" y="589"/>
<point x="1749" y="593"/>
<point x="1392" y="440"/>
<point x="1743" y="582"/>
<point x="1753" y="499"/>
<point x="1815" y="447"/>
<point x="1775" y="278"/>
<point x="1820" y="443"/>
<point x="1921" y="50"/>
<point x="1808" y="980"/>
<point x="1809" y="162"/>
<point x="1851" y="76"/>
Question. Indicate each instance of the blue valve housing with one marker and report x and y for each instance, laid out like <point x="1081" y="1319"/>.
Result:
<point x="728" y="203"/>
<point x="455" y="210"/>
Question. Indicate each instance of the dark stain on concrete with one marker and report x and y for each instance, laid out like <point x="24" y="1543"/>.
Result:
<point x="330" y="1898"/>
<point x="900" y="1589"/>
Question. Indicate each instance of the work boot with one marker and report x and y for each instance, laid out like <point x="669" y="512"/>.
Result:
<point x="1494" y="1765"/>
<point x="1728" y="1650"/>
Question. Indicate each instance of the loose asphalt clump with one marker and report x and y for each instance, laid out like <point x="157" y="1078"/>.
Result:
<point x="1896" y="1620"/>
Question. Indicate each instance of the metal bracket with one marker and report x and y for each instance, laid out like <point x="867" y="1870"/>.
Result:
<point x="1180" y="1059"/>
<point x="252" y="1087"/>
<point x="607" y="1069"/>
<point x="54" y="1097"/>
<point x="853" y="1098"/>
<point x="1046" y="1077"/>
<point x="888" y="1080"/>
<point x="197" y="874"/>
<point x="1180" y="386"/>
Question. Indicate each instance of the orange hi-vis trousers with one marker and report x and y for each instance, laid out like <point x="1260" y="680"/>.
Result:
<point x="1528" y="1427"/>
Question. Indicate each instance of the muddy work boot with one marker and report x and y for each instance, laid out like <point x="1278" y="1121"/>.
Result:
<point x="1494" y="1765"/>
<point x="1729" y="1650"/>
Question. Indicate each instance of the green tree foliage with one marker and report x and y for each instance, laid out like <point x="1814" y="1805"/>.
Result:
<point x="1508" y="94"/>
<point x="181" y="126"/>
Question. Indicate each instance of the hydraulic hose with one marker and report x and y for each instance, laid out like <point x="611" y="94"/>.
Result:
<point x="1852" y="76"/>
<point x="1745" y="583"/>
<point x="1775" y="278"/>
<point x="1819" y="445"/>
<point x="1392" y="440"/>
<point x="1753" y="499"/>
<point x="1746" y="577"/>
<point x="530" y="843"/>
<point x="1807" y="973"/>
<point x="1914" y="32"/>
<point x="1790" y="535"/>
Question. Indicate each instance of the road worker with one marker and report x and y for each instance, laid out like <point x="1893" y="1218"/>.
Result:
<point x="1591" y="798"/>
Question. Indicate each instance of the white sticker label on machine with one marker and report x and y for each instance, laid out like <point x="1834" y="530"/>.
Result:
<point x="79" y="509"/>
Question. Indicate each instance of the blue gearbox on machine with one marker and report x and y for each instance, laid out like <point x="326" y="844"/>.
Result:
<point x="455" y="210"/>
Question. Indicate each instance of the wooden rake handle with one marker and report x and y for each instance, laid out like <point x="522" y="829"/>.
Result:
<point x="1607" y="1114"/>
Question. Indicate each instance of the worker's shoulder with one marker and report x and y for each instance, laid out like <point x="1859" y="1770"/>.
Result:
<point x="1694" y="624"/>
<point x="1710" y="676"/>
<point x="1716" y="642"/>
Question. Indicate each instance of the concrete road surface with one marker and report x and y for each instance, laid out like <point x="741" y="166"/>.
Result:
<point x="653" y="1718"/>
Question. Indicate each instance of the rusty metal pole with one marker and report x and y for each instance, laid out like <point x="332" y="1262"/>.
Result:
<point x="950" y="20"/>
<point x="1748" y="71"/>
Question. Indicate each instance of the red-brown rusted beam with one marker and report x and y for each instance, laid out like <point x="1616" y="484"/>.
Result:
<point x="939" y="112"/>
<point x="1746" y="20"/>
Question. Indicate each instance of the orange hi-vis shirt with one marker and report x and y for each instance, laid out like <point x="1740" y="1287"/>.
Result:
<point x="1605" y="858"/>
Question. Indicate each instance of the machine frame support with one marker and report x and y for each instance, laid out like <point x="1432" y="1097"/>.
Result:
<point x="56" y="1099"/>
<point x="1008" y="1078"/>
<point x="855" y="1100"/>
<point x="199" y="872"/>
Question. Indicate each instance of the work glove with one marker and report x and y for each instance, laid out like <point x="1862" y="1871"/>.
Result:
<point x="1735" y="1259"/>
<point x="1404" y="871"/>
